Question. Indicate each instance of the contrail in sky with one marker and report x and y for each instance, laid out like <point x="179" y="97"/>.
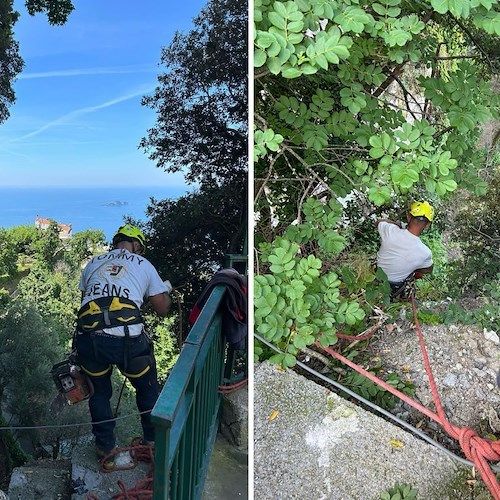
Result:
<point x="70" y="116"/>
<point x="117" y="70"/>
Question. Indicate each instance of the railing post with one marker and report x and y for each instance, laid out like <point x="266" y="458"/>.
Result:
<point x="162" y="469"/>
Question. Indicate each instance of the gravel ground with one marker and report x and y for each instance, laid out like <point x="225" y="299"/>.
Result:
<point x="465" y="361"/>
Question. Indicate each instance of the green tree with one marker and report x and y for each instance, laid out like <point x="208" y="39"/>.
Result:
<point x="201" y="130"/>
<point x="48" y="246"/>
<point x="12" y="64"/>
<point x="188" y="237"/>
<point x="201" y="102"/>
<point x="166" y="347"/>
<point x="475" y="227"/>
<point x="23" y="238"/>
<point x="55" y="294"/>
<point x="84" y="244"/>
<point x="28" y="348"/>
<point x="8" y="255"/>
<point x="352" y="103"/>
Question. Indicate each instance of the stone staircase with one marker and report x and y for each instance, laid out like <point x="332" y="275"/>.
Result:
<point x="75" y="479"/>
<point x="79" y="475"/>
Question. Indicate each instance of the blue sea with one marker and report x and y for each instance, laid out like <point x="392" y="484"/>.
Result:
<point x="83" y="208"/>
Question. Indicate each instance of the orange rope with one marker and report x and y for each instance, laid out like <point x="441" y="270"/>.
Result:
<point x="143" y="489"/>
<point x="477" y="449"/>
<point x="226" y="389"/>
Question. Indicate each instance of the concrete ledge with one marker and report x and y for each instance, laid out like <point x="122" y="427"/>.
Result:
<point x="323" y="447"/>
<point x="41" y="480"/>
<point x="234" y="419"/>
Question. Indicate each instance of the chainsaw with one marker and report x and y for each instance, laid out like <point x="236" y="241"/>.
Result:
<point x="71" y="382"/>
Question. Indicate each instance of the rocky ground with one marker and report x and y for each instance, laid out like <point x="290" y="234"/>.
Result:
<point x="465" y="361"/>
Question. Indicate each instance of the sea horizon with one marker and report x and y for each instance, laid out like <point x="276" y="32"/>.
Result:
<point x="82" y="207"/>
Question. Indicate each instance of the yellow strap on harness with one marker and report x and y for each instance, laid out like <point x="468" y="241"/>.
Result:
<point x="108" y="312"/>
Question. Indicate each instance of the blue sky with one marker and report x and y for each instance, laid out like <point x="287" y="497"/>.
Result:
<point x="78" y="118"/>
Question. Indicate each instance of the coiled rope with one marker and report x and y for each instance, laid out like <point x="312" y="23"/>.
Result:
<point x="143" y="488"/>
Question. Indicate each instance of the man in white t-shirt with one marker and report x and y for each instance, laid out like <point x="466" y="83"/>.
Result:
<point x="110" y="331"/>
<point x="401" y="252"/>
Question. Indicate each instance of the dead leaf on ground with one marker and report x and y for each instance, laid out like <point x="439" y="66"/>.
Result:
<point x="396" y="443"/>
<point x="273" y="415"/>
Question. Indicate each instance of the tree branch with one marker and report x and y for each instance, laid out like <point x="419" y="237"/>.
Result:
<point x="406" y="94"/>
<point x="442" y="132"/>
<point x="397" y="70"/>
<point x="448" y="58"/>
<point x="474" y="41"/>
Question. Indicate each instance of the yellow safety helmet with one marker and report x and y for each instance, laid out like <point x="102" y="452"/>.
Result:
<point x="129" y="232"/>
<point x="422" y="209"/>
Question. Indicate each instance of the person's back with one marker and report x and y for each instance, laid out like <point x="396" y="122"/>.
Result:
<point x="401" y="252"/>
<point x="110" y="332"/>
<point x="120" y="273"/>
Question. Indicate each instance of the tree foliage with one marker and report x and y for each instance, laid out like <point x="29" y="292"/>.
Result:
<point x="11" y="62"/>
<point x="8" y="255"/>
<point x="201" y="130"/>
<point x="176" y="234"/>
<point x="201" y="100"/>
<point x="85" y="244"/>
<point x="355" y="101"/>
<point x="28" y="348"/>
<point x="475" y="226"/>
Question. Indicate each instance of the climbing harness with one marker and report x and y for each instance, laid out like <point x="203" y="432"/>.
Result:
<point x="108" y="312"/>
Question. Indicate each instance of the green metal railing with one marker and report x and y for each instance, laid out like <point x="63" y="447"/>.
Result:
<point x="186" y="415"/>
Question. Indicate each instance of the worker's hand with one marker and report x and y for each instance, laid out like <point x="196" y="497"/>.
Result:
<point x="169" y="286"/>
<point x="418" y="275"/>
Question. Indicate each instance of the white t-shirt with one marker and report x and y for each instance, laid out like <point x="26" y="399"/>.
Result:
<point x="120" y="273"/>
<point x="401" y="252"/>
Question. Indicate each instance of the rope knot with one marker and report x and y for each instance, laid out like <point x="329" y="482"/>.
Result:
<point x="474" y="445"/>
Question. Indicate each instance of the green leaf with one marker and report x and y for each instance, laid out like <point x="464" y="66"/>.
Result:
<point x="259" y="58"/>
<point x="277" y="20"/>
<point x="403" y="174"/>
<point x="480" y="188"/>
<point x="274" y="65"/>
<point x="264" y="39"/>
<point x="430" y="185"/>
<point x="459" y="8"/>
<point x="277" y="359"/>
<point x="352" y="19"/>
<point x="380" y="195"/>
<point x="291" y="72"/>
<point x="442" y="186"/>
<point x="397" y="37"/>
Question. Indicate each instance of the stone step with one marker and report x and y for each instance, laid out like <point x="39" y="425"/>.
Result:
<point x="81" y="476"/>
<point x="311" y="443"/>
<point x="88" y="479"/>
<point x="227" y="477"/>
<point x="41" y="480"/>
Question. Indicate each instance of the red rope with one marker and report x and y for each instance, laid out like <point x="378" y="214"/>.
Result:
<point x="226" y="389"/>
<point x="143" y="488"/>
<point x="477" y="449"/>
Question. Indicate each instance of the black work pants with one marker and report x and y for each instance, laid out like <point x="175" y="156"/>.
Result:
<point x="97" y="353"/>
